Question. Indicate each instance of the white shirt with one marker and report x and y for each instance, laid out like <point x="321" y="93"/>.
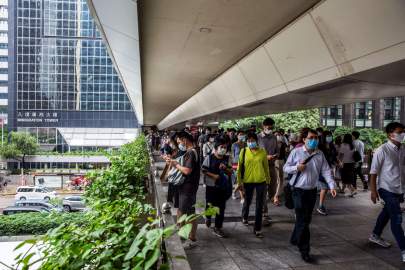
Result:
<point x="389" y="166"/>
<point x="317" y="166"/>
<point x="347" y="153"/>
<point x="359" y="147"/>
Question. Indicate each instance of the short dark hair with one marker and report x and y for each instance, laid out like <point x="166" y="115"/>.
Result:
<point x="320" y="129"/>
<point x="241" y="131"/>
<point x="268" y="122"/>
<point x="306" y="131"/>
<point x="391" y="127"/>
<point x="208" y="128"/>
<point x="219" y="142"/>
<point x="185" y="135"/>
<point x="252" y="135"/>
<point x="356" y="134"/>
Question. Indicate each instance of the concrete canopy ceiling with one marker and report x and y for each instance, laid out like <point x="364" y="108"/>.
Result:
<point x="185" y="44"/>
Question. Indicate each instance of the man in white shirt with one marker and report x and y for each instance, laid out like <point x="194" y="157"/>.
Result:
<point x="307" y="163"/>
<point x="359" y="147"/>
<point x="386" y="176"/>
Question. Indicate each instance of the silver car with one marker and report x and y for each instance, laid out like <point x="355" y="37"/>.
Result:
<point x="38" y="203"/>
<point x="73" y="203"/>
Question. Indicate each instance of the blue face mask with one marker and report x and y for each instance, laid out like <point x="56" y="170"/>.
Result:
<point x="329" y="139"/>
<point x="312" y="144"/>
<point x="182" y="147"/>
<point x="252" y="145"/>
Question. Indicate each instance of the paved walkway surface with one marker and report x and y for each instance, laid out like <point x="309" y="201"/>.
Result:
<point x="339" y="240"/>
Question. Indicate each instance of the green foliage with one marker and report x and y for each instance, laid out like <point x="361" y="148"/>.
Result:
<point x="290" y="120"/>
<point x="297" y="119"/>
<point x="20" y="145"/>
<point x="371" y="137"/>
<point x="121" y="232"/>
<point x="37" y="223"/>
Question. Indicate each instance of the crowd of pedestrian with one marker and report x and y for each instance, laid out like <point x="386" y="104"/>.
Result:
<point x="260" y="163"/>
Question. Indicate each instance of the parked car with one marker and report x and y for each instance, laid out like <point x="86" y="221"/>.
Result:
<point x="38" y="203"/>
<point x="34" y="193"/>
<point x="73" y="203"/>
<point x="23" y="209"/>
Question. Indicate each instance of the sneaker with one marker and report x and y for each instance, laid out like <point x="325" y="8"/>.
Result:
<point x="379" y="241"/>
<point x="266" y="222"/>
<point x="218" y="232"/>
<point x="234" y="197"/>
<point x="242" y="201"/>
<point x="322" y="210"/>
<point x="189" y="244"/>
<point x="245" y="222"/>
<point x="403" y="256"/>
<point x="258" y="234"/>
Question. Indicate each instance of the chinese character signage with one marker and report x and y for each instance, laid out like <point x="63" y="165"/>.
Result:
<point x="37" y="117"/>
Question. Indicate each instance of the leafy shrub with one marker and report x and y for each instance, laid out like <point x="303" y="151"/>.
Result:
<point x="371" y="137"/>
<point x="38" y="223"/>
<point x="121" y="232"/>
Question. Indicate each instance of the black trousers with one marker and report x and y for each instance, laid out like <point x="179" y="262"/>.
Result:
<point x="260" y="188"/>
<point x="304" y="203"/>
<point x="216" y="197"/>
<point x="359" y="171"/>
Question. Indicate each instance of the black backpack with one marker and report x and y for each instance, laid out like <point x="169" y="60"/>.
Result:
<point x="356" y="156"/>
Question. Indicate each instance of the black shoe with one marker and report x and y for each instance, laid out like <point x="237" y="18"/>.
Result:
<point x="208" y="223"/>
<point x="245" y="222"/>
<point x="294" y="243"/>
<point x="307" y="258"/>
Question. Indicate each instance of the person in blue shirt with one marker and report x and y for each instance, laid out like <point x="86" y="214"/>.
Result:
<point x="306" y="164"/>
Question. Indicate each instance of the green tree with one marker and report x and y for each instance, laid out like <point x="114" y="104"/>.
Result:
<point x="21" y="144"/>
<point x="290" y="120"/>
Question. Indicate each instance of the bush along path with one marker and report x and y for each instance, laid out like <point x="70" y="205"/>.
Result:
<point x="121" y="232"/>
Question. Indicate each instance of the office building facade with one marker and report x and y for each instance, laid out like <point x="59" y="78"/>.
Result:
<point x="368" y="114"/>
<point x="67" y="91"/>
<point x="3" y="61"/>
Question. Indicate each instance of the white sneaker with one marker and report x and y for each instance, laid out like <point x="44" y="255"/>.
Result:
<point x="189" y="244"/>
<point x="242" y="201"/>
<point x="234" y="197"/>
<point x="380" y="241"/>
<point x="403" y="256"/>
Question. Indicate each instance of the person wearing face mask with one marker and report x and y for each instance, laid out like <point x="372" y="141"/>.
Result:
<point x="215" y="167"/>
<point x="209" y="145"/>
<point x="253" y="175"/>
<point x="187" y="191"/>
<point x="172" y="194"/>
<point x="307" y="164"/>
<point x="347" y="163"/>
<point x="234" y="159"/>
<point x="268" y="141"/>
<point x="359" y="147"/>
<point x="329" y="150"/>
<point x="387" y="175"/>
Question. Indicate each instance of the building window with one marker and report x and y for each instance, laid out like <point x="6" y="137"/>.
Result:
<point x="363" y="114"/>
<point x="392" y="107"/>
<point x="331" y="116"/>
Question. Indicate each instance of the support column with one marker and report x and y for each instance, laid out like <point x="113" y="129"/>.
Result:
<point x="348" y="115"/>
<point x="402" y="111"/>
<point x="378" y="114"/>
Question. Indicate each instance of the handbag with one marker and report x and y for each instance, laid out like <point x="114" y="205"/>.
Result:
<point x="288" y="189"/>
<point x="175" y="176"/>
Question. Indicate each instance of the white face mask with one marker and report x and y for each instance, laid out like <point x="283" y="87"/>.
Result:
<point x="212" y="140"/>
<point x="221" y="151"/>
<point x="398" y="137"/>
<point x="268" y="131"/>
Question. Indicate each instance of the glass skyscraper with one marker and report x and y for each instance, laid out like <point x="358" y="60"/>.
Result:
<point x="63" y="76"/>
